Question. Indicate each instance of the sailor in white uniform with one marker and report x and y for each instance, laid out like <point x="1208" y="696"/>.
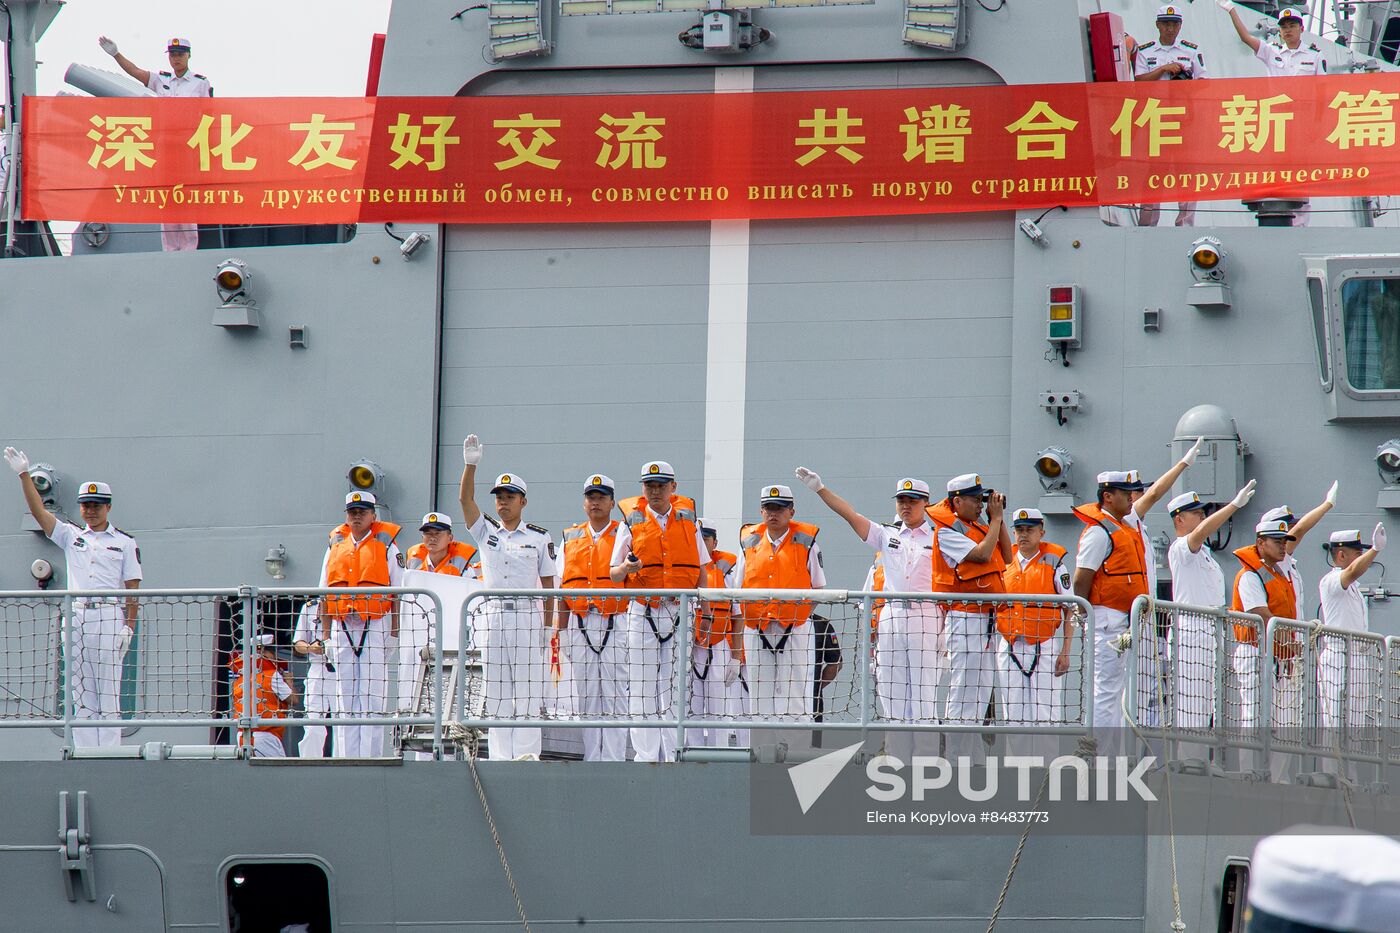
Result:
<point x="1168" y="59"/>
<point x="908" y="659"/>
<point x="100" y="556"/>
<point x="1345" y="712"/>
<point x="319" y="688"/>
<point x="514" y="556"/>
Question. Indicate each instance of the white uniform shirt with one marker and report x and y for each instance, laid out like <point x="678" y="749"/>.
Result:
<point x="309" y="630"/>
<point x="1153" y="55"/>
<point x="512" y="560"/>
<point x="1343" y="608"/>
<point x="1252" y="592"/>
<point x="97" y="560"/>
<point x="1289" y="565"/>
<point x="394" y="557"/>
<point x="622" y="546"/>
<point x="1093" y="548"/>
<point x="1283" y="62"/>
<point x="907" y="554"/>
<point x="814" y="561"/>
<point x="1196" y="578"/>
<point x="1063" y="587"/>
<point x="166" y="84"/>
<point x="1149" y="555"/>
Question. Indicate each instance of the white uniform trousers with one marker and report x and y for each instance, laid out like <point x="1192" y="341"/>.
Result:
<point x="597" y="662"/>
<point x="1287" y="713"/>
<point x="268" y="745"/>
<point x="736" y="706"/>
<point x="650" y="672"/>
<point x="780" y="663"/>
<point x="1348" y="707"/>
<point x="1026" y="681"/>
<point x="319" y="701"/>
<point x="972" y="673"/>
<point x="1149" y="214"/>
<point x="179" y="237"/>
<point x="1109" y="668"/>
<point x="710" y="697"/>
<point x="360" y="652"/>
<point x="909" y="661"/>
<point x="97" y="672"/>
<point x="514" y="664"/>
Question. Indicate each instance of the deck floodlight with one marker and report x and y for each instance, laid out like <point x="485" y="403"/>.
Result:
<point x="366" y="476"/>
<point x="234" y="284"/>
<point x="46" y="480"/>
<point x="516" y="29"/>
<point x="934" y="24"/>
<point x="1054" y="469"/>
<point x="1208" y="269"/>
<point x="1388" y="466"/>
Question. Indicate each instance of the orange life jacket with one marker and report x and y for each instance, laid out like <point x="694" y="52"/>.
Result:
<point x="1278" y="588"/>
<point x="670" y="560"/>
<point x="364" y="565"/>
<point x="586" y="566"/>
<point x="713" y="619"/>
<point x="967" y="577"/>
<point x="269" y="705"/>
<point x="1032" y="624"/>
<point x="877" y="583"/>
<point x="782" y="569"/>
<point x="1122" y="577"/>
<point x="460" y="556"/>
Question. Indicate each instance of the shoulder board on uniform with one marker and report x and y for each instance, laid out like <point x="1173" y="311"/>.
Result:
<point x="892" y="524"/>
<point x="491" y="521"/>
<point x="201" y="77"/>
<point x="543" y="531"/>
<point x="120" y="532"/>
<point x="165" y="74"/>
<point x="1312" y="47"/>
<point x="1189" y="45"/>
<point x="1146" y="45"/>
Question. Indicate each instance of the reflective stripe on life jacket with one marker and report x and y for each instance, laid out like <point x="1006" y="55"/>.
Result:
<point x="713" y="618"/>
<point x="1032" y="624"/>
<point x="670" y="559"/>
<point x="968" y="576"/>
<point x="1278" y="589"/>
<point x="1122" y="577"/>
<point x="365" y="564"/>
<point x="269" y="705"/>
<point x="781" y="568"/>
<point x="586" y="567"/>
<point x="460" y="555"/>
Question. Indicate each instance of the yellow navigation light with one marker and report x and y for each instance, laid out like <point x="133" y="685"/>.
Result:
<point x="1205" y="258"/>
<point x="230" y="279"/>
<point x="1049" y="467"/>
<point x="1053" y="466"/>
<point x="1062" y="312"/>
<point x="367" y="476"/>
<point x="361" y="477"/>
<point x="233" y="281"/>
<point x="1064" y="324"/>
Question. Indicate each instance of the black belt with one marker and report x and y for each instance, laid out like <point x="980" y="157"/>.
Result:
<point x="655" y="631"/>
<point x="782" y="642"/>
<point x="606" y="634"/>
<point x="1035" y="661"/>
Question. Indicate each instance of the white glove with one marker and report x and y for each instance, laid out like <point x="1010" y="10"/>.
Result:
<point x="731" y="672"/>
<point x="108" y="46"/>
<point x="1331" y="498"/>
<point x="471" y="450"/>
<point x="1244" y="495"/>
<point x="1195" y="450"/>
<point x="1378" y="538"/>
<point x="17" y="460"/>
<point x="809" y="479"/>
<point x="1225" y="5"/>
<point x="126" y="641"/>
<point x="1122" y="642"/>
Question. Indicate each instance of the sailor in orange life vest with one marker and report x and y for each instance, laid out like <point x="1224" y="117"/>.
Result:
<point x="969" y="557"/>
<point x="361" y="629"/>
<point x="1359" y="668"/>
<point x="273" y="697"/>
<point x="1299" y="528"/>
<point x="590" y="624"/>
<point x="1029" y="656"/>
<point x="1262" y="587"/>
<point x="1110" y="572"/>
<point x="908" y="661"/>
<point x="1198" y="581"/>
<point x="716" y="653"/>
<point x="779" y="553"/>
<point x="514" y="556"/>
<point x="659" y="546"/>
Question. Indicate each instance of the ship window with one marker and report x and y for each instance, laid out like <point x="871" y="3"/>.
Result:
<point x="1319" y="322"/>
<point x="277" y="895"/>
<point x="1234" y="894"/>
<point x="1371" y="332"/>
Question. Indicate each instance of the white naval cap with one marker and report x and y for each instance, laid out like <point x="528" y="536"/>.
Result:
<point x="360" y="500"/>
<point x="1119" y="479"/>
<point x="95" y="492"/>
<point x="1169" y="11"/>
<point x="657" y="471"/>
<point x="266" y="639"/>
<point x="436" y="520"/>
<point x="1027" y="517"/>
<point x="1274" y="529"/>
<point x="968" y="484"/>
<point x="708" y="528"/>
<point x="909" y="486"/>
<point x="1281" y="514"/>
<point x="509" y="482"/>
<point x="780" y="495"/>
<point x="1351" y="537"/>
<point x="1325" y="877"/>
<point x="1287" y="13"/>
<point x="1183" y="502"/>
<point x="599" y="482"/>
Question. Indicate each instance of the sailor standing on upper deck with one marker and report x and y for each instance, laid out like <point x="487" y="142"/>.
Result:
<point x="100" y="556"/>
<point x="1168" y="59"/>
<point x="514" y="556"/>
<point x="179" y="81"/>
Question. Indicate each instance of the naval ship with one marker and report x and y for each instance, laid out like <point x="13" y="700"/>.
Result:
<point x="868" y="347"/>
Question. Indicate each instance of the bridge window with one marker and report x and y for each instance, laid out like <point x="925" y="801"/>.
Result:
<point x="1371" y="333"/>
<point x="1318" y="306"/>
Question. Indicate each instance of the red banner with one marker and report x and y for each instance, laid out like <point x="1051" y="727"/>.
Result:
<point x="700" y="157"/>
